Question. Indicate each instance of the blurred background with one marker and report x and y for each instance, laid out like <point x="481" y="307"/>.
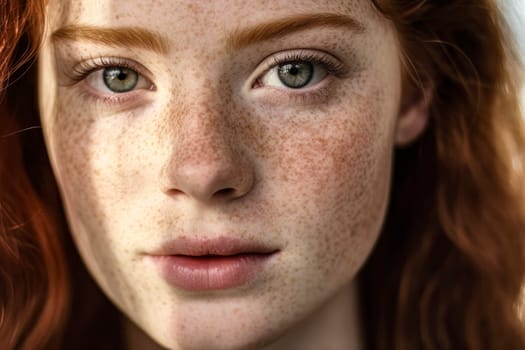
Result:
<point x="515" y="12"/>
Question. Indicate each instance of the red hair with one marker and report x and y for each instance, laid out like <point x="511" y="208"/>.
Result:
<point x="449" y="266"/>
<point x="34" y="291"/>
<point x="449" y="275"/>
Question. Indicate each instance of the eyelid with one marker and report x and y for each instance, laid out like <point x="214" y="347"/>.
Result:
<point x="331" y="63"/>
<point x="318" y="94"/>
<point x="87" y="66"/>
<point x="96" y="77"/>
<point x="80" y="72"/>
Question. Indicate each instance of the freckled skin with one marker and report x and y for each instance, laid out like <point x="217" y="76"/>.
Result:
<point x="312" y="179"/>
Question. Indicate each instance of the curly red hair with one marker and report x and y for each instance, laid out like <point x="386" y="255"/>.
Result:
<point x="451" y="258"/>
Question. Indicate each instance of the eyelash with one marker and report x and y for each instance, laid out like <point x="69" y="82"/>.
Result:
<point x="88" y="66"/>
<point x="304" y="96"/>
<point x="333" y="67"/>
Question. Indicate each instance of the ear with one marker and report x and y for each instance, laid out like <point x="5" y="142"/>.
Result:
<point x="413" y="115"/>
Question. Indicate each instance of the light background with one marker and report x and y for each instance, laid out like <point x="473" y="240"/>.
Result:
<point x="515" y="12"/>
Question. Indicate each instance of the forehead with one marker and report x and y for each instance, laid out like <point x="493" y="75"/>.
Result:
<point x="202" y="17"/>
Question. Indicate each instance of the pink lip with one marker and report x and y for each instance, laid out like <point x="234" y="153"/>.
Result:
<point x="210" y="264"/>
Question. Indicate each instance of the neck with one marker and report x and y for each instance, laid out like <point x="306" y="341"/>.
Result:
<point x="335" y="326"/>
<point x="136" y="339"/>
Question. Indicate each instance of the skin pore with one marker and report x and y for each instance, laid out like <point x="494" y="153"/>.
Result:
<point x="209" y="143"/>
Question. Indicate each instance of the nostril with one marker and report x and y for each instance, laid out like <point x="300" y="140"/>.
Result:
<point x="225" y="192"/>
<point x="175" y="191"/>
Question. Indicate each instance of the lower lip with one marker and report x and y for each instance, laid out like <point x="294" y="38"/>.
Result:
<point x="212" y="272"/>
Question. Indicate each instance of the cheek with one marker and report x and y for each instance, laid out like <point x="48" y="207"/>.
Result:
<point x="70" y="135"/>
<point x="339" y="162"/>
<point x="329" y="185"/>
<point x="80" y="155"/>
<point x="103" y="195"/>
<point x="74" y="151"/>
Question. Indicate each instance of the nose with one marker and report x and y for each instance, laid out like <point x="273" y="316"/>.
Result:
<point x="207" y="162"/>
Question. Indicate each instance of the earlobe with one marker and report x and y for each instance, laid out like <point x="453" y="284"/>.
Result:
<point x="413" y="117"/>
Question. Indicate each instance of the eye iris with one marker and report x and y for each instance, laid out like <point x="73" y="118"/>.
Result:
<point x="296" y="74"/>
<point x="119" y="79"/>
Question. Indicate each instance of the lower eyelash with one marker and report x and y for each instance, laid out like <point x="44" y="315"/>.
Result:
<point x="91" y="98"/>
<point x="319" y="94"/>
<point x="81" y="71"/>
<point x="123" y="100"/>
<point x="334" y="68"/>
<point x="311" y="97"/>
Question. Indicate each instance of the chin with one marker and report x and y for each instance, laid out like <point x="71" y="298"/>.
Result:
<point x="205" y="339"/>
<point x="210" y="325"/>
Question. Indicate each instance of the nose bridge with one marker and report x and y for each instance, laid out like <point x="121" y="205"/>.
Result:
<point x="202" y="129"/>
<point x="206" y="160"/>
<point x="202" y="135"/>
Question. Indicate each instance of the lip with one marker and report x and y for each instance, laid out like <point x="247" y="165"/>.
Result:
<point x="210" y="264"/>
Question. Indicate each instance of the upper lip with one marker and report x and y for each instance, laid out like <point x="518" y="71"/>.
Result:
<point x="220" y="246"/>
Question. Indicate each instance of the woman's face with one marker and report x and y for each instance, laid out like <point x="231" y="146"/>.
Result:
<point x="229" y="177"/>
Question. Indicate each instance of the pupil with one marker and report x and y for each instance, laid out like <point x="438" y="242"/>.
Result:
<point x="294" y="70"/>
<point x="122" y="75"/>
<point x="120" y="79"/>
<point x="296" y="74"/>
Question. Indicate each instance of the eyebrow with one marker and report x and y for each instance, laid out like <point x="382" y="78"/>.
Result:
<point x="239" y="38"/>
<point x="116" y="37"/>
<point x="265" y="31"/>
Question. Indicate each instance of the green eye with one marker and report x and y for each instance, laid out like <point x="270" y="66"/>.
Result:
<point x="120" y="79"/>
<point x="296" y="75"/>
